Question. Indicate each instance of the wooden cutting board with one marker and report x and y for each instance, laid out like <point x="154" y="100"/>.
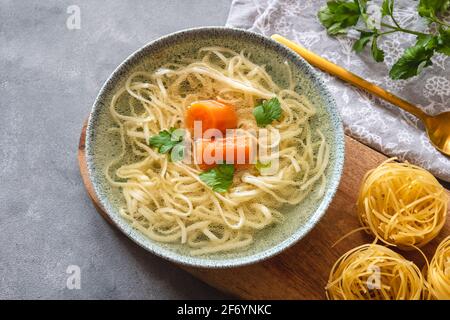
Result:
<point x="300" y="272"/>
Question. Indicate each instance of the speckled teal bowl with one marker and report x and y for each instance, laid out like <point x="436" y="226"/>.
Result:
<point x="101" y="146"/>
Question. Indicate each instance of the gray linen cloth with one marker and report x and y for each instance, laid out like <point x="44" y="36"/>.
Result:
<point x="366" y="118"/>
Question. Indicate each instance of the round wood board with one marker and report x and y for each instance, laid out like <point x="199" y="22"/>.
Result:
<point x="301" y="271"/>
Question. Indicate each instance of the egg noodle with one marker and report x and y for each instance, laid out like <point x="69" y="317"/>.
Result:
<point x="402" y="204"/>
<point x="439" y="272"/>
<point x="166" y="200"/>
<point x="374" y="272"/>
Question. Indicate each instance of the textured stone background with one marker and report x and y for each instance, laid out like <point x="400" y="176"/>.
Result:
<point x="49" y="77"/>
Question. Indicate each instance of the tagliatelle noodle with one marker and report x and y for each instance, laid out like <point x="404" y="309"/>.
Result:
<point x="438" y="275"/>
<point x="374" y="272"/>
<point x="402" y="204"/>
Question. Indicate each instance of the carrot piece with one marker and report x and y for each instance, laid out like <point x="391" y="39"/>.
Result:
<point x="213" y="114"/>
<point x="237" y="150"/>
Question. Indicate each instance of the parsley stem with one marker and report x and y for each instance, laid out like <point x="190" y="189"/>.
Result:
<point x="403" y="30"/>
<point x="395" y="21"/>
<point x="387" y="32"/>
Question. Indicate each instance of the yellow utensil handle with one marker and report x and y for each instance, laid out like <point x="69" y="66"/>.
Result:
<point x="346" y="75"/>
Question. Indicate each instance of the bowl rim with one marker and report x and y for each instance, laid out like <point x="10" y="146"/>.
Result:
<point x="172" y="255"/>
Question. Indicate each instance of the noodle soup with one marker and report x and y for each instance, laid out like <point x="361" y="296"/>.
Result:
<point x="261" y="175"/>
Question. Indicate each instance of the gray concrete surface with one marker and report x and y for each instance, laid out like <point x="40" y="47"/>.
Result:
<point x="49" y="77"/>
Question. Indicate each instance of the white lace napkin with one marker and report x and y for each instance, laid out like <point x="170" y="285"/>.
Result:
<point x="370" y="120"/>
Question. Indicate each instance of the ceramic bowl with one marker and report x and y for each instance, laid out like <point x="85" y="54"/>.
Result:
<point x="101" y="147"/>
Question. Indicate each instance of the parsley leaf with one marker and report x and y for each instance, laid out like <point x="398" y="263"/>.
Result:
<point x="364" y="39"/>
<point x="338" y="15"/>
<point x="267" y="111"/>
<point x="431" y="8"/>
<point x="219" y="178"/>
<point x="414" y="59"/>
<point x="443" y="40"/>
<point x="387" y="8"/>
<point x="428" y="42"/>
<point x="167" y="140"/>
<point x="377" y="53"/>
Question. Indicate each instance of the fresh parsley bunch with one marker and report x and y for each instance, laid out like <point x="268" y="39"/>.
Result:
<point x="338" y="16"/>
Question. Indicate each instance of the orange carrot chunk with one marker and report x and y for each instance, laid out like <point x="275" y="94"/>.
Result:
<point x="213" y="114"/>
<point x="237" y="150"/>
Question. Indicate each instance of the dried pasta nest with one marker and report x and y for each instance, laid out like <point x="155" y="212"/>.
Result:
<point x="439" y="272"/>
<point x="402" y="204"/>
<point x="374" y="272"/>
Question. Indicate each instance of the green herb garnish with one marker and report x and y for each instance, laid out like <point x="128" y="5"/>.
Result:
<point x="414" y="59"/>
<point x="387" y="8"/>
<point x="267" y="111"/>
<point x="219" y="178"/>
<point x="338" y="16"/>
<point x="443" y="40"/>
<point x="364" y="39"/>
<point x="431" y="9"/>
<point x="168" y="140"/>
